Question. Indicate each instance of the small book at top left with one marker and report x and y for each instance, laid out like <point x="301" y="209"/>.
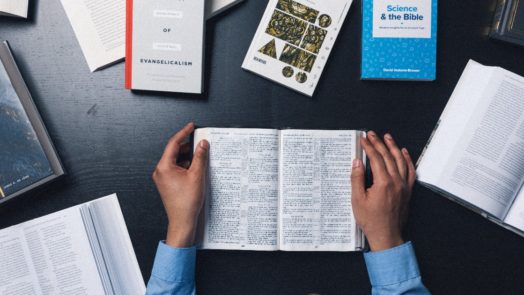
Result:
<point x="27" y="158"/>
<point x="16" y="8"/>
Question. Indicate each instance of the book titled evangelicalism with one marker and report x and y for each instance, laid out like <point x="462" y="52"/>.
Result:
<point x="165" y="45"/>
<point x="399" y="39"/>
<point x="293" y="41"/>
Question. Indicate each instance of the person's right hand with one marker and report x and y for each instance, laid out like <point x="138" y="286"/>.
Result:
<point x="381" y="210"/>
<point x="181" y="186"/>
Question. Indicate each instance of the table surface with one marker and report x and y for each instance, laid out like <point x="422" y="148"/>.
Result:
<point x="111" y="139"/>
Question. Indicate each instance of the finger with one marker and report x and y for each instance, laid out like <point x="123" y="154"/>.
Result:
<point x="391" y="165"/>
<point x="199" y="164"/>
<point x="397" y="155"/>
<point x="412" y="173"/>
<point x="358" y="181"/>
<point x="378" y="167"/>
<point x="173" y="146"/>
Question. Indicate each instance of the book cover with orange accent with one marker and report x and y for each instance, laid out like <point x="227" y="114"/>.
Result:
<point x="165" y="45"/>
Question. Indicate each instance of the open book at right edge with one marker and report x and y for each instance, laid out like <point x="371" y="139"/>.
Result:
<point x="475" y="155"/>
<point x="289" y="190"/>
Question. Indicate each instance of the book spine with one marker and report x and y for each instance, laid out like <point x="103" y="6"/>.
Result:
<point x="429" y="141"/>
<point x="129" y="44"/>
<point x="497" y="18"/>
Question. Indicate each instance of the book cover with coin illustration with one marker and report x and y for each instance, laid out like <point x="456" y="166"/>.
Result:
<point x="27" y="156"/>
<point x="293" y="41"/>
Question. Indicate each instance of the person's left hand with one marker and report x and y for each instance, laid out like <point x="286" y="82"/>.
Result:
<point x="181" y="186"/>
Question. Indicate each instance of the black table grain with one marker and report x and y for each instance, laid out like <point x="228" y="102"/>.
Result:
<point x="110" y="140"/>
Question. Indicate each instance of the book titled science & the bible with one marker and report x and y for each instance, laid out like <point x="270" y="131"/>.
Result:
<point x="399" y="40"/>
<point x="27" y="156"/>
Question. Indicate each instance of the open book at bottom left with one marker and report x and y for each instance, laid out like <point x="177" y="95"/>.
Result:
<point x="84" y="249"/>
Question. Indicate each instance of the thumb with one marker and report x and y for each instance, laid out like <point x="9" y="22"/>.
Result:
<point x="358" y="180"/>
<point x="200" y="158"/>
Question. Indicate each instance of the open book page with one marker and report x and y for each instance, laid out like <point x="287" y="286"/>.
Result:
<point x="315" y="190"/>
<point x="240" y="210"/>
<point x="515" y="216"/>
<point x="14" y="7"/>
<point x="48" y="255"/>
<point x="485" y="164"/>
<point x="99" y="26"/>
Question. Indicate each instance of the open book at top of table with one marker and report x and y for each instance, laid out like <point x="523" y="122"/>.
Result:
<point x="285" y="190"/>
<point x="16" y="8"/>
<point x="81" y="250"/>
<point x="100" y="27"/>
<point x="476" y="153"/>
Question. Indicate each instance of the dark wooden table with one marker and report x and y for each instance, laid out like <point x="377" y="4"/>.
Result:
<point x="110" y="140"/>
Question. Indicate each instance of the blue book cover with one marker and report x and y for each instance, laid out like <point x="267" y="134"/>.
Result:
<point x="399" y="39"/>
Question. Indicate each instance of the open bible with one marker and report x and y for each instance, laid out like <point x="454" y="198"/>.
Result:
<point x="476" y="154"/>
<point x="273" y="189"/>
<point x="81" y="250"/>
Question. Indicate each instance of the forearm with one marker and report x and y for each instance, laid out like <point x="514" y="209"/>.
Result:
<point x="395" y="271"/>
<point x="173" y="271"/>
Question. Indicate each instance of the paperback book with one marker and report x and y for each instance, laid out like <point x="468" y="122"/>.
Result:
<point x="293" y="41"/>
<point x="475" y="155"/>
<point x="16" y="8"/>
<point x="165" y="45"/>
<point x="27" y="158"/>
<point x="399" y="40"/>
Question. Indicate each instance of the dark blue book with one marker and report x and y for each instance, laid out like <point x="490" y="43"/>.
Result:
<point x="27" y="156"/>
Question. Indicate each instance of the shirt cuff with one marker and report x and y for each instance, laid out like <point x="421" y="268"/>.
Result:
<point x="174" y="264"/>
<point x="392" y="266"/>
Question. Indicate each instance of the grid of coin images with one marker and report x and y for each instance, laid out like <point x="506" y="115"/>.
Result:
<point x="296" y="24"/>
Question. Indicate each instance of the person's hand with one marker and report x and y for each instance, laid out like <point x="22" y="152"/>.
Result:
<point x="381" y="210"/>
<point x="181" y="186"/>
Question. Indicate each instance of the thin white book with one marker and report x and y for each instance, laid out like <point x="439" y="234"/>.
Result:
<point x="294" y="40"/>
<point x="17" y="8"/>
<point x="475" y="155"/>
<point x="100" y="27"/>
<point x="84" y="249"/>
<point x="287" y="190"/>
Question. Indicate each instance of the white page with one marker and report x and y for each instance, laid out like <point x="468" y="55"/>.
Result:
<point x="49" y="255"/>
<point x="315" y="190"/>
<point x="114" y="240"/>
<point x="242" y="192"/>
<point x="14" y="7"/>
<point x="484" y="166"/>
<point x="515" y="215"/>
<point x="100" y="28"/>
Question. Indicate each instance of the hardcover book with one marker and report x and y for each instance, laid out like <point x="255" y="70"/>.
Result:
<point x="16" y="8"/>
<point x="293" y="41"/>
<point x="399" y="40"/>
<point x="287" y="190"/>
<point x="508" y="22"/>
<point x="84" y="249"/>
<point x="165" y="45"/>
<point x="27" y="156"/>
<point x="475" y="156"/>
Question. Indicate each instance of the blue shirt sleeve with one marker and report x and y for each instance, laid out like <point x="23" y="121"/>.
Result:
<point x="173" y="271"/>
<point x="395" y="271"/>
